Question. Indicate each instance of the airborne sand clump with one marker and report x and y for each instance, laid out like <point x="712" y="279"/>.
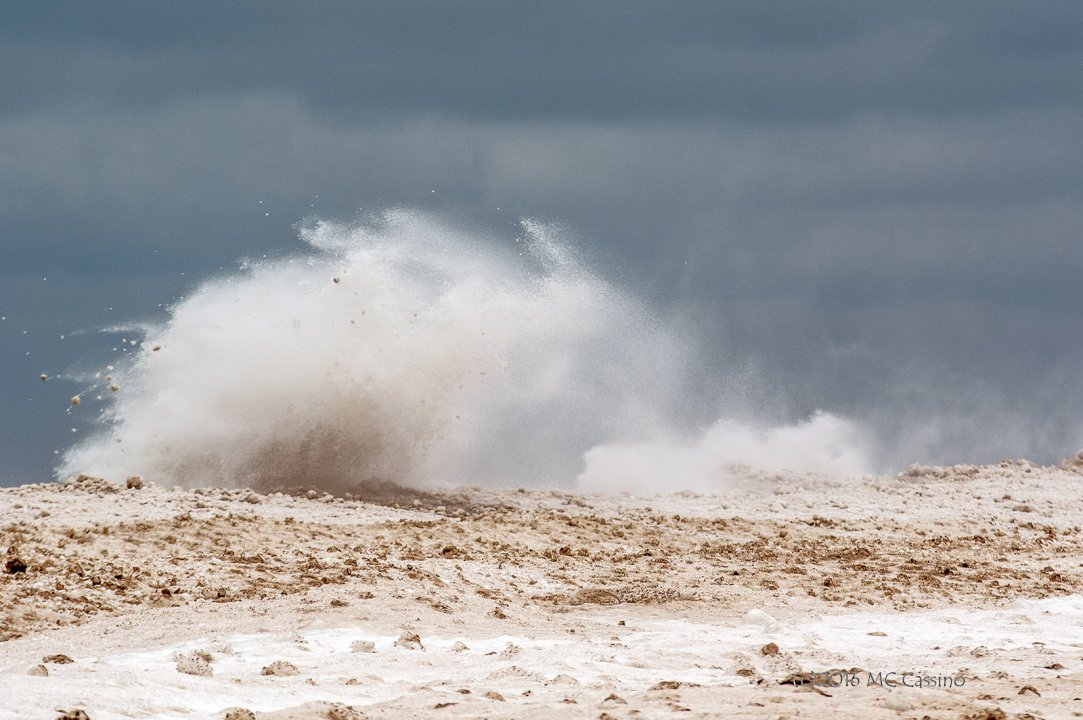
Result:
<point x="549" y="603"/>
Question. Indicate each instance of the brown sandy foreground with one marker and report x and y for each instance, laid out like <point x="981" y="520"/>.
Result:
<point x="940" y="593"/>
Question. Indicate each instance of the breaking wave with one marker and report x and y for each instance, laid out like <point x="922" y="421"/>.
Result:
<point x="400" y="349"/>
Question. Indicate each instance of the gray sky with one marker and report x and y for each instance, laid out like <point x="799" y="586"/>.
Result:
<point x="870" y="208"/>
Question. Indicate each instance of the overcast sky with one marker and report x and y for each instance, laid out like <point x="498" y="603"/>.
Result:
<point x="870" y="208"/>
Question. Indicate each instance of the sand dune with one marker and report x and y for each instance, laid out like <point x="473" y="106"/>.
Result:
<point x="474" y="602"/>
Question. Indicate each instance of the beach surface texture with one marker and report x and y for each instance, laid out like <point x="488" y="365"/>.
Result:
<point x="938" y="593"/>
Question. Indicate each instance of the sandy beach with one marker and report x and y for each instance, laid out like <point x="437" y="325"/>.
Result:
<point x="938" y="593"/>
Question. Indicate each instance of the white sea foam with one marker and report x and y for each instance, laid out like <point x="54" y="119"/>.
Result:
<point x="401" y="349"/>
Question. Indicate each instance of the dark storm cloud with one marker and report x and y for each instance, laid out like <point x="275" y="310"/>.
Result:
<point x="876" y="206"/>
<point x="757" y="61"/>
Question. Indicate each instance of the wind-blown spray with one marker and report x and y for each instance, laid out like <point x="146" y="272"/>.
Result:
<point x="395" y="349"/>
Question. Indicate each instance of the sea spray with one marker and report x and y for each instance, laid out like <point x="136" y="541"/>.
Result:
<point x="823" y="444"/>
<point x="399" y="349"/>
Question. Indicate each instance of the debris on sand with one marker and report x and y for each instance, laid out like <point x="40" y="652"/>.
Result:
<point x="72" y="715"/>
<point x="14" y="565"/>
<point x="409" y="641"/>
<point x="990" y="714"/>
<point x="363" y="646"/>
<point x="280" y="667"/>
<point x="672" y="685"/>
<point x="239" y="714"/>
<point x="90" y="484"/>
<point x="197" y="662"/>
<point x="38" y="671"/>
<point x="338" y="711"/>
<point x="57" y="659"/>
<point x="593" y="596"/>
